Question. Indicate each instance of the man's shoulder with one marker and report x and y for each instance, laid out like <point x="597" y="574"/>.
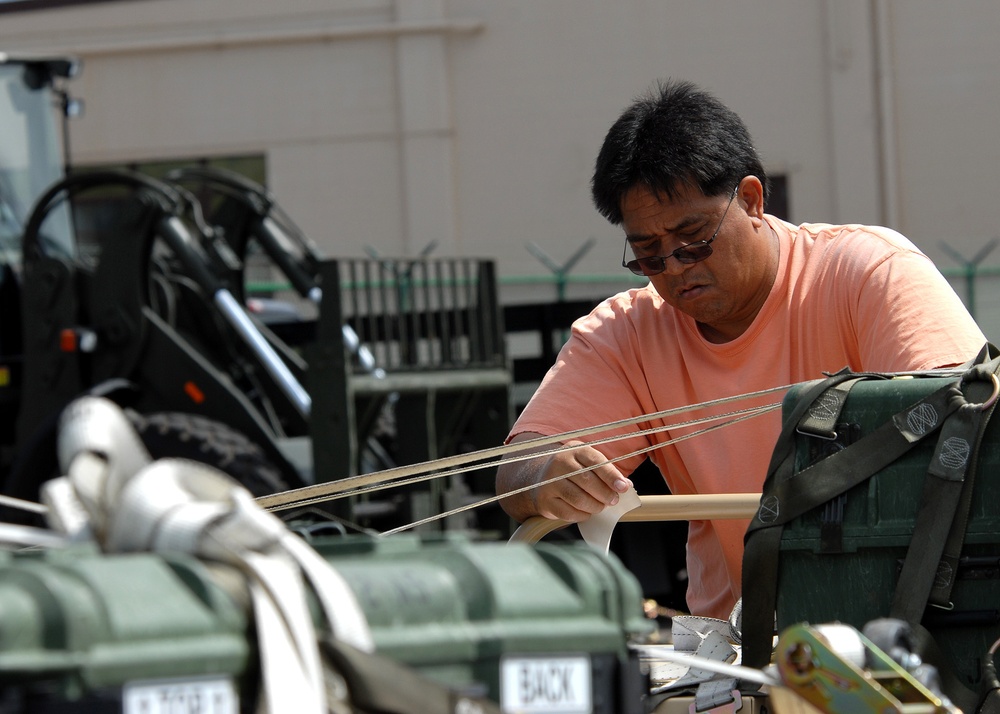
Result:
<point x="623" y="314"/>
<point x="852" y="235"/>
<point x="849" y="246"/>
<point x="634" y="300"/>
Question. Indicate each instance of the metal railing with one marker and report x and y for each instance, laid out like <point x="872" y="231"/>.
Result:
<point x="425" y="314"/>
<point x="977" y="285"/>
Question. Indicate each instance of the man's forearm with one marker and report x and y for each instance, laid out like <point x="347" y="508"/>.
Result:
<point x="511" y="477"/>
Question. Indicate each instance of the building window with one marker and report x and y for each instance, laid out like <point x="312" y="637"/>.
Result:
<point x="777" y="202"/>
<point x="104" y="210"/>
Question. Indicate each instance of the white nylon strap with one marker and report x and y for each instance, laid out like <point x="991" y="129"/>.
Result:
<point x="714" y="646"/>
<point x="97" y="441"/>
<point x="293" y="678"/>
<point x="706" y="641"/>
<point x="337" y="599"/>
<point x="173" y="505"/>
<point x="687" y="632"/>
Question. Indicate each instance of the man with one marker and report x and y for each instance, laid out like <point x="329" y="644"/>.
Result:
<point x="737" y="301"/>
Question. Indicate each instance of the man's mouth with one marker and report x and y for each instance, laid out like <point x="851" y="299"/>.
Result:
<point x="687" y="292"/>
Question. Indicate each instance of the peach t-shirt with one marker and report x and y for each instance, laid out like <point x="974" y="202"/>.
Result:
<point x="844" y="296"/>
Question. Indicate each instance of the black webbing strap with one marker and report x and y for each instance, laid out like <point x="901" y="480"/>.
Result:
<point x="940" y="508"/>
<point x="979" y="378"/>
<point x="989" y="687"/>
<point x="821" y="422"/>
<point x="983" y="374"/>
<point x="378" y="684"/>
<point x="823" y="414"/>
<point x="785" y="498"/>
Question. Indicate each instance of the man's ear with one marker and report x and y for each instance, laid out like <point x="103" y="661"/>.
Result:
<point x="751" y="196"/>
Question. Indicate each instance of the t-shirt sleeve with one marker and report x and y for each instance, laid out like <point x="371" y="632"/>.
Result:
<point x="910" y="318"/>
<point x="592" y="382"/>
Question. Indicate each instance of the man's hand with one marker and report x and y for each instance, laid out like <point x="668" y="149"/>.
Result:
<point x="573" y="499"/>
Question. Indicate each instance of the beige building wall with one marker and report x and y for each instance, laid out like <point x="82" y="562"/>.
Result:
<point x="389" y="125"/>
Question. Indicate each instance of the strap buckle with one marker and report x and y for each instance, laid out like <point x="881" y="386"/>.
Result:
<point x="984" y="406"/>
<point x="727" y="708"/>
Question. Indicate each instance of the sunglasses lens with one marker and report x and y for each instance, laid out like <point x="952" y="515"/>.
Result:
<point x="646" y="266"/>
<point x="693" y="253"/>
<point x="654" y="265"/>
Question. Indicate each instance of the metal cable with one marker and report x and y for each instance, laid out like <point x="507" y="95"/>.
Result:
<point x="320" y="492"/>
<point x="747" y="414"/>
<point x="739" y="415"/>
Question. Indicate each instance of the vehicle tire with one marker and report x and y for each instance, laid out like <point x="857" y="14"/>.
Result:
<point x="188" y="436"/>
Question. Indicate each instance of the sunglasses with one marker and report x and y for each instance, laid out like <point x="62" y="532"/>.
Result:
<point x="686" y="254"/>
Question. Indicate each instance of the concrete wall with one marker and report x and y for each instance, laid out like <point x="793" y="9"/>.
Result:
<point x="389" y="124"/>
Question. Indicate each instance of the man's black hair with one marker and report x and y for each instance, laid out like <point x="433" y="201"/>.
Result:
<point x="674" y="135"/>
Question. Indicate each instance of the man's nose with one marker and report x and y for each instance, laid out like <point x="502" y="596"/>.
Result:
<point x="672" y="266"/>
